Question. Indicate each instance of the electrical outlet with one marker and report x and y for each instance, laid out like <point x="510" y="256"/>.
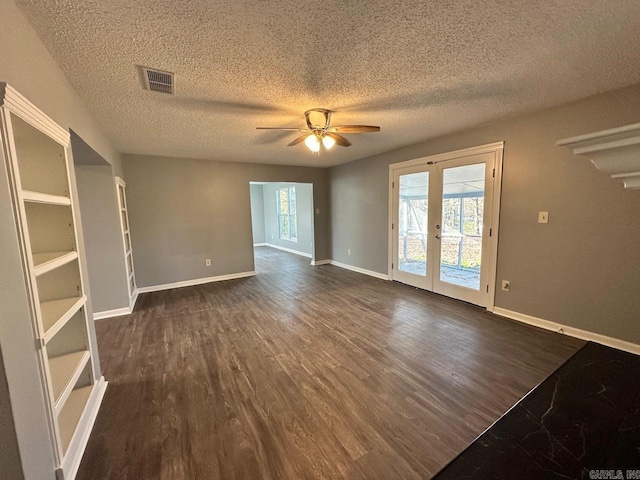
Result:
<point x="543" y="217"/>
<point x="506" y="285"/>
<point x="317" y="211"/>
<point x="207" y="262"/>
<point x="348" y="251"/>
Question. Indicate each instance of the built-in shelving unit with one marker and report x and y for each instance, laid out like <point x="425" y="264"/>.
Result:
<point x="71" y="414"/>
<point x="45" y="262"/>
<point x="56" y="313"/>
<point x="65" y="371"/>
<point x="615" y="152"/>
<point x="126" y="239"/>
<point x="44" y="199"/>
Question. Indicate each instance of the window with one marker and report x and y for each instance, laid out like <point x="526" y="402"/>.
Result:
<point x="287" y="224"/>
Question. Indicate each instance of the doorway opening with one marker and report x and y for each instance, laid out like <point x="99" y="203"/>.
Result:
<point x="282" y="223"/>
<point x="105" y="244"/>
<point x="443" y="229"/>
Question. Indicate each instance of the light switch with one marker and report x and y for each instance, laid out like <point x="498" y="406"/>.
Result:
<point x="317" y="211"/>
<point x="543" y="217"/>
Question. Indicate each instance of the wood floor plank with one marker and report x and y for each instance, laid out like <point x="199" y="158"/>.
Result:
<point x="305" y="373"/>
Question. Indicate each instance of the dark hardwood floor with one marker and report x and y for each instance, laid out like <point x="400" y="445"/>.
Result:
<point x="304" y="373"/>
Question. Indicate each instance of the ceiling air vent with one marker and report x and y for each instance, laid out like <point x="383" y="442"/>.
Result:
<point x="158" y="80"/>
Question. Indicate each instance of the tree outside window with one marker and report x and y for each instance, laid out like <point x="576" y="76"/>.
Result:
<point x="287" y="222"/>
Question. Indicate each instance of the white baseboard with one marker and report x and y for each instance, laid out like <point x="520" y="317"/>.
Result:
<point x="320" y="262"/>
<point x="290" y="250"/>
<point x="196" y="281"/>
<point x="259" y="244"/>
<point x="72" y="458"/>
<point x="567" y="330"/>
<point x="117" y="312"/>
<point x="371" y="273"/>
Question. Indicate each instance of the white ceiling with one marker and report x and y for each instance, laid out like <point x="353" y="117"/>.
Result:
<point x="419" y="69"/>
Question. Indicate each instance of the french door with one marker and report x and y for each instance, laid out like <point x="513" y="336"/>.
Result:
<point x="443" y="233"/>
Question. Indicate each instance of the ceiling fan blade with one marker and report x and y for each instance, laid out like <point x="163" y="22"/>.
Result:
<point x="282" y="128"/>
<point x="354" y="129"/>
<point x="298" y="140"/>
<point x="343" y="142"/>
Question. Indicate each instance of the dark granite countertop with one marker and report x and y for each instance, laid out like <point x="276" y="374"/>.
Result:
<point x="584" y="417"/>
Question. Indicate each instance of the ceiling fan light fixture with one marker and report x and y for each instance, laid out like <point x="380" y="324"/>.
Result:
<point x="312" y="143"/>
<point x="328" y="142"/>
<point x="318" y="136"/>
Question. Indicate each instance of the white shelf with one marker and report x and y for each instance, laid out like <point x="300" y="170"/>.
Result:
<point x="126" y="238"/>
<point x="615" y="152"/>
<point x="45" y="262"/>
<point x="65" y="371"/>
<point x="70" y="415"/>
<point x="36" y="197"/>
<point x="42" y="171"/>
<point x="56" y="313"/>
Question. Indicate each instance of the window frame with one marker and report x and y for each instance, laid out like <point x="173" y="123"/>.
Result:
<point x="291" y="219"/>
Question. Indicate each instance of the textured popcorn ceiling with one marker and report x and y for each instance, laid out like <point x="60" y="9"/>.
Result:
<point x="419" y="69"/>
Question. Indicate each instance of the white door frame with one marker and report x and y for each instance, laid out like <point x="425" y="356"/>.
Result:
<point x="497" y="149"/>
<point x="424" y="282"/>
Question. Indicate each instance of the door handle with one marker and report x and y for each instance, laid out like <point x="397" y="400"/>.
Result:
<point x="438" y="237"/>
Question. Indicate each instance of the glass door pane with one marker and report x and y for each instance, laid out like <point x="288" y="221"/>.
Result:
<point x="462" y="220"/>
<point x="412" y="222"/>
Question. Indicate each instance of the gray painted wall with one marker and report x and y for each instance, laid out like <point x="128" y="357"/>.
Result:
<point x="581" y="269"/>
<point x="102" y="237"/>
<point x="304" y="214"/>
<point x="184" y="210"/>
<point x="257" y="213"/>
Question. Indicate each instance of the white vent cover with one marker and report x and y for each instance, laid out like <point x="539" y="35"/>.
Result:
<point x="158" y="80"/>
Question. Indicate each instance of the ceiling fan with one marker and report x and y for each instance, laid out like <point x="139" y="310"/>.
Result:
<point x="319" y="134"/>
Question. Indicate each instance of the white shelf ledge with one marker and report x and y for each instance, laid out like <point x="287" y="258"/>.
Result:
<point x="45" y="262"/>
<point x="70" y="415"/>
<point x="65" y="371"/>
<point x="615" y="152"/>
<point x="36" y="197"/>
<point x="56" y="313"/>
